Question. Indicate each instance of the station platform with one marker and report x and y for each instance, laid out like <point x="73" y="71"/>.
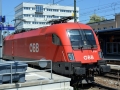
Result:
<point x="112" y="57"/>
<point x="114" y="67"/>
<point x="40" y="81"/>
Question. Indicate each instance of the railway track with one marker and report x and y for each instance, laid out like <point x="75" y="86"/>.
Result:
<point x="115" y="72"/>
<point x="108" y="83"/>
<point x="112" y="79"/>
<point x="113" y="62"/>
<point x="93" y="86"/>
<point x="115" y="76"/>
<point x="101" y="87"/>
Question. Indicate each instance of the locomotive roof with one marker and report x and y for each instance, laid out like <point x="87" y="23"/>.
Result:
<point x="56" y="28"/>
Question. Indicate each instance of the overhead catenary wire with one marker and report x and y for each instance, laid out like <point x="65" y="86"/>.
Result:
<point x="73" y="3"/>
<point x="107" y="10"/>
<point x="101" y="16"/>
<point x="82" y="9"/>
<point x="100" y="8"/>
<point x="77" y="2"/>
<point x="99" y="5"/>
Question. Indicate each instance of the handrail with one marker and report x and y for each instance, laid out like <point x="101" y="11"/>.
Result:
<point x="12" y="62"/>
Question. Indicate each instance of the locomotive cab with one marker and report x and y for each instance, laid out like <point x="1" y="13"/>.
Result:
<point x="81" y="53"/>
<point x="86" y="50"/>
<point x="82" y="56"/>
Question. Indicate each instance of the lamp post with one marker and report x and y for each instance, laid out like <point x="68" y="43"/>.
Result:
<point x="1" y="24"/>
<point x="75" y="11"/>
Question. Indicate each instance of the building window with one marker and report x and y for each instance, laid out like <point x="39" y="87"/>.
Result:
<point x="67" y="11"/>
<point x="26" y="15"/>
<point x="48" y="16"/>
<point x="38" y="22"/>
<point x="50" y="9"/>
<point x="111" y="27"/>
<point x="39" y="9"/>
<point x="33" y="15"/>
<point x="26" y="8"/>
<point x="28" y="22"/>
<point x="62" y="10"/>
<point x="32" y="22"/>
<point x="33" y="8"/>
<point x="38" y="15"/>
<point x="55" y="10"/>
<point x="44" y="9"/>
<point x="105" y="28"/>
<point x="55" y="16"/>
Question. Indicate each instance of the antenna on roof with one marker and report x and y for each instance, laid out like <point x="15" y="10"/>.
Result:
<point x="62" y="20"/>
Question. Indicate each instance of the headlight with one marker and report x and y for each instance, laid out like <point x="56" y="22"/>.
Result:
<point x="70" y="56"/>
<point x="100" y="54"/>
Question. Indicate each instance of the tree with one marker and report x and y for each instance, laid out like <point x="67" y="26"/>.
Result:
<point x="96" y="18"/>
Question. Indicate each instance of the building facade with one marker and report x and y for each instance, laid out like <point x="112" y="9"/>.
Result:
<point x="107" y="24"/>
<point x="33" y="15"/>
<point x="108" y="32"/>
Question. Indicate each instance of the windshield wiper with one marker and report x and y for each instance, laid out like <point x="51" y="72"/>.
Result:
<point x="91" y="44"/>
<point x="80" y="46"/>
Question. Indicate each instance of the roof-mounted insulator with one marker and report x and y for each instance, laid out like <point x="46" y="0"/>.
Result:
<point x="62" y="20"/>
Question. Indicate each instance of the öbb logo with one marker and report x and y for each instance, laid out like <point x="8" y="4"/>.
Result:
<point x="34" y="47"/>
<point x="88" y="57"/>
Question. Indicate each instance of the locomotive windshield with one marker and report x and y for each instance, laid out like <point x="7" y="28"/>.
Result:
<point x="82" y="38"/>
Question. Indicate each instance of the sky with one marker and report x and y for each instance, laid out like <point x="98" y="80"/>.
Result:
<point x="103" y="8"/>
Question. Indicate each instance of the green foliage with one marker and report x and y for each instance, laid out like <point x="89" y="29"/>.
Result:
<point x="96" y="18"/>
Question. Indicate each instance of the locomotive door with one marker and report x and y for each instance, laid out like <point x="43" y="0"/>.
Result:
<point x="53" y="50"/>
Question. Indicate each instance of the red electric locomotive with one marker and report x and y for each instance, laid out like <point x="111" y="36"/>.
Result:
<point x="73" y="48"/>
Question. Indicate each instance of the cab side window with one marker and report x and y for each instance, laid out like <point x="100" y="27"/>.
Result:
<point x="56" y="39"/>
